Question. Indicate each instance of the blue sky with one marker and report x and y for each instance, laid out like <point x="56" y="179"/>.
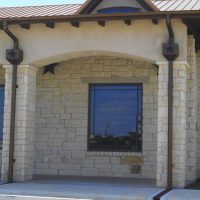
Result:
<point x="4" y="3"/>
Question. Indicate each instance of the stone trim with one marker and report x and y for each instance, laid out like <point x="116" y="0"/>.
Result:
<point x="115" y="80"/>
<point x="176" y="63"/>
<point x="22" y="66"/>
<point x="100" y="153"/>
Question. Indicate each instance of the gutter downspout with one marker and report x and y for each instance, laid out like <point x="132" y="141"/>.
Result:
<point x="170" y="51"/>
<point x="15" y="57"/>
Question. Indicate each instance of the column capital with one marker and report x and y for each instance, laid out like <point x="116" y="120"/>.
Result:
<point x="22" y="66"/>
<point x="176" y="63"/>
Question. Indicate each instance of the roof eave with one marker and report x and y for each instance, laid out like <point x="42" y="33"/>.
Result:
<point x="105" y="17"/>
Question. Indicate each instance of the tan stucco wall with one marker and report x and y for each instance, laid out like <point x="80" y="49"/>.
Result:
<point x="62" y="113"/>
<point x="142" y="39"/>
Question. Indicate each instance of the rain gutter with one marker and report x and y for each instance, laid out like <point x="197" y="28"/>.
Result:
<point x="171" y="53"/>
<point x="102" y="17"/>
<point x="15" y="57"/>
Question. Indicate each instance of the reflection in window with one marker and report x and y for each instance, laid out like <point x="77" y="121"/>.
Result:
<point x="115" y="117"/>
<point x="118" y="10"/>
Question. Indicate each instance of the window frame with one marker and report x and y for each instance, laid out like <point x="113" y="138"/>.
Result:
<point x="90" y="85"/>
<point x="102" y="10"/>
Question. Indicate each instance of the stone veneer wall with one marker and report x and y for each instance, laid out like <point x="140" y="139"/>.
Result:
<point x="2" y="81"/>
<point x="191" y="113"/>
<point x="2" y="75"/>
<point x="25" y="123"/>
<point x="179" y="124"/>
<point x="198" y="118"/>
<point x="62" y="113"/>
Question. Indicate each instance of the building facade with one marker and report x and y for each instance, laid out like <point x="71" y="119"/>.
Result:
<point x="92" y="95"/>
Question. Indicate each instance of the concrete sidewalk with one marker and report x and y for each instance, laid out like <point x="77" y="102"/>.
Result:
<point x="89" y="190"/>
<point x="57" y="190"/>
<point x="182" y="195"/>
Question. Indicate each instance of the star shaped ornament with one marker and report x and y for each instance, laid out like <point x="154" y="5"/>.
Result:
<point x="50" y="68"/>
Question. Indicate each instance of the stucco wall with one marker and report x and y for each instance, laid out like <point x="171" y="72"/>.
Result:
<point x="62" y="112"/>
<point x="42" y="45"/>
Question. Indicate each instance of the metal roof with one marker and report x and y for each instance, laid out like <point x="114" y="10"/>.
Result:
<point x="38" y="11"/>
<point x="177" y="5"/>
<point x="71" y="9"/>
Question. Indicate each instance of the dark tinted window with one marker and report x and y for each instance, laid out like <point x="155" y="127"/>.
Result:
<point x="115" y="117"/>
<point x="118" y="10"/>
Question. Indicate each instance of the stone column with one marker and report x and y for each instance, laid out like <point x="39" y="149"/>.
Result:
<point x="25" y="122"/>
<point x="191" y="112"/>
<point x="198" y="114"/>
<point x="179" y="126"/>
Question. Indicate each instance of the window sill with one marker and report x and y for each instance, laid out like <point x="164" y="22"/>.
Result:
<point x="101" y="153"/>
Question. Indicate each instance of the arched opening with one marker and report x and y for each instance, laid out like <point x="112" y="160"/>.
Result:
<point x="69" y="56"/>
<point x="63" y="117"/>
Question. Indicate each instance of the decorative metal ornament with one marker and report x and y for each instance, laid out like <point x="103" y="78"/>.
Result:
<point x="50" y="68"/>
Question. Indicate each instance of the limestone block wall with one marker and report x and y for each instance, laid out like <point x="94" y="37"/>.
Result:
<point x="25" y="123"/>
<point x="198" y="118"/>
<point x="179" y="124"/>
<point x="62" y="117"/>
<point x="2" y="75"/>
<point x="2" y="81"/>
<point x="191" y="113"/>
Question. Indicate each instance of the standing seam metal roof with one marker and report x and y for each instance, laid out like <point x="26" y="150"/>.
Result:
<point x="71" y="9"/>
<point x="35" y="11"/>
<point x="177" y="5"/>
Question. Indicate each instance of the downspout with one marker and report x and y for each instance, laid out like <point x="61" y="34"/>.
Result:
<point x="170" y="51"/>
<point x="15" y="57"/>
